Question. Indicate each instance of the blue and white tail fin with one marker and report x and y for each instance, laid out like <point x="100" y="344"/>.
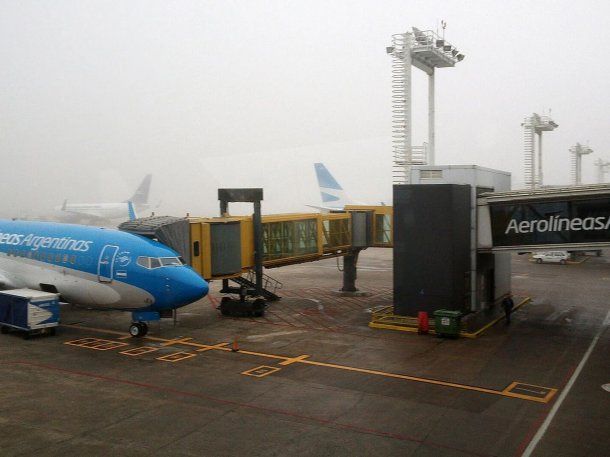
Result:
<point x="333" y="195"/>
<point x="131" y="211"/>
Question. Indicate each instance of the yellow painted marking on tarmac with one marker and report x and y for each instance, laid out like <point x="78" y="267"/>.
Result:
<point x="294" y="360"/>
<point x="126" y="337"/>
<point x="261" y="371"/>
<point x="209" y="348"/>
<point x="96" y="344"/>
<point x="540" y="394"/>
<point x="80" y="341"/>
<point x="176" y="341"/>
<point x="471" y="335"/>
<point x="495" y="321"/>
<point x="177" y="356"/>
<point x="402" y="376"/>
<point x="139" y="350"/>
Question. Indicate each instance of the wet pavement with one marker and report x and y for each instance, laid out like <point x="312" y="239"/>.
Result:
<point x="311" y="378"/>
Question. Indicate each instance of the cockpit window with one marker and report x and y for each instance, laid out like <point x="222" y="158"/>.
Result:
<point x="170" y="261"/>
<point x="158" y="262"/>
<point x="144" y="262"/>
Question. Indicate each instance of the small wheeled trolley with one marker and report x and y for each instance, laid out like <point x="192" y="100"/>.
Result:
<point x="29" y="311"/>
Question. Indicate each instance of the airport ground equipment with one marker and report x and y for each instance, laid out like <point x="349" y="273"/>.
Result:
<point x="426" y="50"/>
<point x="534" y="125"/>
<point x="447" y="323"/>
<point x="31" y="311"/>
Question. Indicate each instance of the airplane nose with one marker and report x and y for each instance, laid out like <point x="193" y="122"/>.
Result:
<point x="191" y="288"/>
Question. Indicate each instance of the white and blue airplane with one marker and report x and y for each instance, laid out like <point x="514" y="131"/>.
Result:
<point x="96" y="212"/>
<point x="334" y="198"/>
<point x="99" y="268"/>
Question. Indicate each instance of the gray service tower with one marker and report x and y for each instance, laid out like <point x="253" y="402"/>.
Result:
<point x="436" y="264"/>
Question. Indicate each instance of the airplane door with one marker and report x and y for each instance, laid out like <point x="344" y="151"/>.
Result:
<point x="105" y="266"/>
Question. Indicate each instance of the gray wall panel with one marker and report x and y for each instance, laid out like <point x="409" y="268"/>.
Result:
<point x="431" y="247"/>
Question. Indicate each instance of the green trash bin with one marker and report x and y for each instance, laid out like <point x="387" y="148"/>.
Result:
<point x="447" y="323"/>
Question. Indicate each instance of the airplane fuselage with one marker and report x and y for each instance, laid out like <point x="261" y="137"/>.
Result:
<point x="95" y="267"/>
<point x="101" y="210"/>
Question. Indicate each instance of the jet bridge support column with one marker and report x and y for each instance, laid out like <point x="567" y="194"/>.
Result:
<point x="350" y="272"/>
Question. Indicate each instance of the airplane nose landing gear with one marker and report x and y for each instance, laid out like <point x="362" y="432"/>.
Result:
<point x="138" y="329"/>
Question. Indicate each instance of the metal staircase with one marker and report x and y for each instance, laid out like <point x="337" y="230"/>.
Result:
<point x="269" y="288"/>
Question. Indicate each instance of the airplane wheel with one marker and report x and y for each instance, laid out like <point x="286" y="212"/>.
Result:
<point x="538" y="260"/>
<point x="144" y="327"/>
<point x="136" y="330"/>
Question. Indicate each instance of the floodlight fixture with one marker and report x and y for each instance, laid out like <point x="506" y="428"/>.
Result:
<point x="440" y="43"/>
<point x="459" y="57"/>
<point x="454" y="52"/>
<point x="389" y="49"/>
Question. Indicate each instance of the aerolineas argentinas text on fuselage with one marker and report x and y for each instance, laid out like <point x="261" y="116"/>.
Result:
<point x="99" y="268"/>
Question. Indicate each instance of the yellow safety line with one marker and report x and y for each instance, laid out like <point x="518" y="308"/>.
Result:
<point x="495" y="321"/>
<point x="294" y="360"/>
<point x="303" y="360"/>
<point x="209" y="348"/>
<point x="176" y="341"/>
<point x="432" y="332"/>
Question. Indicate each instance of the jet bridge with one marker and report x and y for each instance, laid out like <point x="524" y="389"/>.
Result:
<point x="566" y="218"/>
<point x="223" y="247"/>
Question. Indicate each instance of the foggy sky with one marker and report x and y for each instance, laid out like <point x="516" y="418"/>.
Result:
<point x="208" y="94"/>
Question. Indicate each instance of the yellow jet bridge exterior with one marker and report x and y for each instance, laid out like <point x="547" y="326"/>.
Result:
<point x="223" y="247"/>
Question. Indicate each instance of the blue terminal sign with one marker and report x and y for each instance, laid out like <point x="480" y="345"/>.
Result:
<point x="582" y="221"/>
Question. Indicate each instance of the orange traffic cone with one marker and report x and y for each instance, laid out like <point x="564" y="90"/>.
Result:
<point x="235" y="346"/>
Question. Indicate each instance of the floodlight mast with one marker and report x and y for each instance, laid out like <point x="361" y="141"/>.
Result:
<point x="577" y="151"/>
<point x="602" y="168"/>
<point x="427" y="51"/>
<point x="534" y="125"/>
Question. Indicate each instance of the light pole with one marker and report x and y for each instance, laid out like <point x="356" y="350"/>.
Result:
<point x="577" y="151"/>
<point x="427" y="51"/>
